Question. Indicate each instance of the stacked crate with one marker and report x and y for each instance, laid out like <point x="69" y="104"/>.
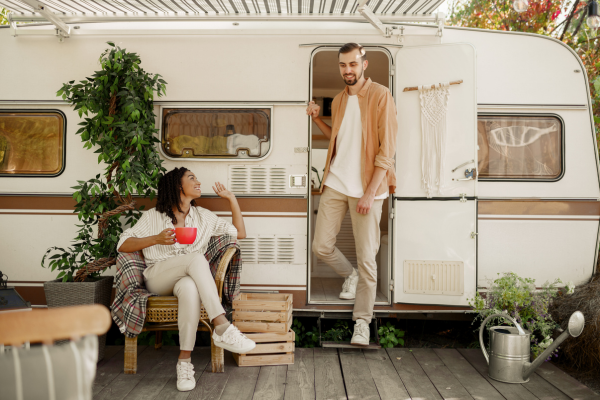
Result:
<point x="267" y="319"/>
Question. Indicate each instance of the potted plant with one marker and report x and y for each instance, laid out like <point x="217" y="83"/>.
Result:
<point x="521" y="300"/>
<point x="116" y="104"/>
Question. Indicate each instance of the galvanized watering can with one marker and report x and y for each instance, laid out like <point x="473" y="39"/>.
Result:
<point x="509" y="348"/>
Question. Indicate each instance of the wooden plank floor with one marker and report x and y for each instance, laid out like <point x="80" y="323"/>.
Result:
<point x="319" y="374"/>
<point x="328" y="290"/>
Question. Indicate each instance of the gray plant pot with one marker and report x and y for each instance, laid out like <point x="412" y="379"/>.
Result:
<point x="64" y="294"/>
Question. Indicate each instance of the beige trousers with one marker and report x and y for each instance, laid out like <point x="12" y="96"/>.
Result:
<point x="332" y="210"/>
<point x="189" y="278"/>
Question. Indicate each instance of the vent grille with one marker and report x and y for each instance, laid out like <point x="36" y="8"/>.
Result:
<point x="434" y="277"/>
<point x="271" y="249"/>
<point x="259" y="179"/>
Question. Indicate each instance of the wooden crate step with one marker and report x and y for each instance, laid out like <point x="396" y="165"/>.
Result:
<point x="271" y="349"/>
<point x="263" y="302"/>
<point x="258" y="326"/>
<point x="244" y="360"/>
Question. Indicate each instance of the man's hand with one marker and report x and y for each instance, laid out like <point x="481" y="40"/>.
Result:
<point x="313" y="110"/>
<point x="222" y="191"/>
<point x="166" y="237"/>
<point x="365" y="203"/>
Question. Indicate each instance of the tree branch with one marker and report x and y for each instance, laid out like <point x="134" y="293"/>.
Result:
<point x="568" y="22"/>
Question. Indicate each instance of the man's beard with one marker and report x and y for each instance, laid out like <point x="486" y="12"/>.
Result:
<point x="352" y="82"/>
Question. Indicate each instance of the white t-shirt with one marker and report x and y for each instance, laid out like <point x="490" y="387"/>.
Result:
<point x="345" y="171"/>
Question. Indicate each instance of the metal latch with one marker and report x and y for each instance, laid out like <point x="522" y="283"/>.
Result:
<point x="392" y="285"/>
<point x="392" y="214"/>
<point x="463" y="197"/>
<point x="474" y="235"/>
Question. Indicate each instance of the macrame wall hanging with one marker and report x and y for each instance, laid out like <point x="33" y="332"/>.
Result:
<point x="434" y="108"/>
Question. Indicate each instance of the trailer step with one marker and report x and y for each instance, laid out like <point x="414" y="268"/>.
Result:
<point x="347" y="345"/>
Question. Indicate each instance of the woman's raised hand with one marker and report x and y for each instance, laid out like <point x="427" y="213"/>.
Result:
<point x="166" y="237"/>
<point x="222" y="191"/>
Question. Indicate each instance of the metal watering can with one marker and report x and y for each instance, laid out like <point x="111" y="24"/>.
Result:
<point x="509" y="359"/>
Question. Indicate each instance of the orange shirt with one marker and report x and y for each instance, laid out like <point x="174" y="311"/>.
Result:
<point x="379" y="130"/>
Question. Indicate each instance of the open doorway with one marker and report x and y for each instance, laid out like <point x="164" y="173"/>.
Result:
<point x="325" y="284"/>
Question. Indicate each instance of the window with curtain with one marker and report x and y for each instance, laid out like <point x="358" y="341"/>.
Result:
<point x="216" y="133"/>
<point x="32" y="143"/>
<point x="520" y="147"/>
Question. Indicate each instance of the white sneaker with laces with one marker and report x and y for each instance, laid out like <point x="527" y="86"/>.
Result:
<point x="185" y="377"/>
<point x="362" y="333"/>
<point x="233" y="340"/>
<point x="349" y="286"/>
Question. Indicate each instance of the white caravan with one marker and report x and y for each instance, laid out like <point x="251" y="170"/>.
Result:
<point x="521" y="170"/>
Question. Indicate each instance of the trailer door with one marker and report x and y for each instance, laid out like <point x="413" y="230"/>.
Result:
<point x="435" y="238"/>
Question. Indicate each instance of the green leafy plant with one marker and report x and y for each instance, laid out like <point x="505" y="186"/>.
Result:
<point x="390" y="336"/>
<point x="339" y="333"/>
<point x="318" y="176"/>
<point x="116" y="105"/>
<point x="305" y="337"/>
<point x="520" y="299"/>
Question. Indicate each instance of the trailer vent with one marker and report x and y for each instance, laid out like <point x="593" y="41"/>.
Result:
<point x="434" y="277"/>
<point x="259" y="179"/>
<point x="271" y="249"/>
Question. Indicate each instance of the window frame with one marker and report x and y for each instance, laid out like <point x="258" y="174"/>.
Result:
<point x="229" y="106"/>
<point x="534" y="115"/>
<point x="64" y="138"/>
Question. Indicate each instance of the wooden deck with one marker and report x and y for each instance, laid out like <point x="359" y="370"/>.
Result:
<point x="331" y="374"/>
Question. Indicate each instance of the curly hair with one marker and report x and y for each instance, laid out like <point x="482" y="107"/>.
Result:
<point x="169" y="189"/>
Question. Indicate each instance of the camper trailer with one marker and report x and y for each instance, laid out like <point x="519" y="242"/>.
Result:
<point x="520" y="176"/>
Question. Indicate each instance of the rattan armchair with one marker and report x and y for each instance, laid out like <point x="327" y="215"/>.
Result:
<point x="161" y="315"/>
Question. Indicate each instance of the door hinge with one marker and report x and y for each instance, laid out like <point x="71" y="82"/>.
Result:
<point x="463" y="197"/>
<point x="392" y="214"/>
<point x="392" y="285"/>
<point x="474" y="235"/>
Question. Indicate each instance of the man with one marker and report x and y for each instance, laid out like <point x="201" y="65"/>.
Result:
<point x="359" y="175"/>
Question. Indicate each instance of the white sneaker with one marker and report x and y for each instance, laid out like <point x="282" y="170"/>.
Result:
<point x="185" y="377"/>
<point x="233" y="340"/>
<point x="362" y="333"/>
<point x="349" y="286"/>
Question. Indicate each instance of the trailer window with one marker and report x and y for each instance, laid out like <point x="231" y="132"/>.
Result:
<point x="520" y="147"/>
<point x="216" y="133"/>
<point x="32" y="143"/>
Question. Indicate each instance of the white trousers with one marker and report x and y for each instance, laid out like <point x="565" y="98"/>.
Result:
<point x="188" y="277"/>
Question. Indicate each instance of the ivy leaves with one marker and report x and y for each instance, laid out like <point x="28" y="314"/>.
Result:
<point x="118" y="122"/>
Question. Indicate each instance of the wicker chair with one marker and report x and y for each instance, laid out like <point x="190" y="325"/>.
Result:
<point x="161" y="315"/>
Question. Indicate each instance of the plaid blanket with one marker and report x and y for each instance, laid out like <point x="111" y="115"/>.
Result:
<point x="128" y="310"/>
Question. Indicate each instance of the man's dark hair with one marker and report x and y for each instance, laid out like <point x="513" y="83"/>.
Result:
<point x="169" y="189"/>
<point x="348" y="47"/>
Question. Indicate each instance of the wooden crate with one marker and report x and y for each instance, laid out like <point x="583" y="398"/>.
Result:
<point x="271" y="349"/>
<point x="263" y="312"/>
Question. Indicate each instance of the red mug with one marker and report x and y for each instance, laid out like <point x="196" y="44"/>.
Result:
<point x="186" y="235"/>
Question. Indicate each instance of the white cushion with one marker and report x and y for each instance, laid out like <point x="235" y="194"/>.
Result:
<point x="61" y="372"/>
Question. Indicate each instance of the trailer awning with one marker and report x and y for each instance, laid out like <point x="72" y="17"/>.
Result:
<point x="232" y="8"/>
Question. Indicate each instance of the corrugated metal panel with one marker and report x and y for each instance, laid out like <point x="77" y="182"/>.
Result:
<point x="220" y="7"/>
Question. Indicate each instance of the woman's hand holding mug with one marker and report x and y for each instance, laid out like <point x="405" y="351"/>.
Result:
<point x="166" y="237"/>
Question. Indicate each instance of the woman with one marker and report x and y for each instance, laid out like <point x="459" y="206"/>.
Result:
<point x="182" y="270"/>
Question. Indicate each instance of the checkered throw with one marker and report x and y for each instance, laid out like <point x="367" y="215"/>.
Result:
<point x="128" y="310"/>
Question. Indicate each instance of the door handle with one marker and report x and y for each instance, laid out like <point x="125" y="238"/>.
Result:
<point x="463" y="164"/>
<point x="470" y="174"/>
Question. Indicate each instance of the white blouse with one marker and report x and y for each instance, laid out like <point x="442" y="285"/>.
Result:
<point x="153" y="222"/>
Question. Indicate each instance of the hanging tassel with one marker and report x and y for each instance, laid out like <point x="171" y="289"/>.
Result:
<point x="434" y="107"/>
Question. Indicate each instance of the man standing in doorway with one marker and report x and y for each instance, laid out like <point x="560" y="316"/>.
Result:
<point x="359" y="175"/>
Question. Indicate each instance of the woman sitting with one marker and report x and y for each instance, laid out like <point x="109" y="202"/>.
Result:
<point x="182" y="270"/>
